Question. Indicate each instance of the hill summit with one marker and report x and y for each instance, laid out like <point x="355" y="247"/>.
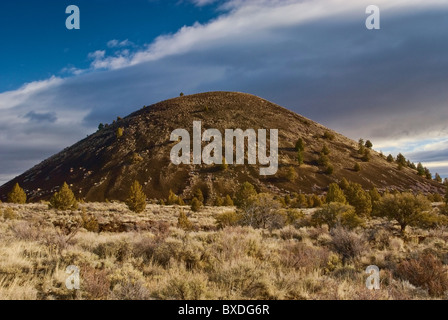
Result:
<point x="137" y="147"/>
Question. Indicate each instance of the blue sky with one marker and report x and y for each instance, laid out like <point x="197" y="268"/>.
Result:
<point x="314" y="57"/>
<point x="37" y="44"/>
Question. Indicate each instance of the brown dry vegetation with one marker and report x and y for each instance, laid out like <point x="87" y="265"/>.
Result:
<point x="146" y="256"/>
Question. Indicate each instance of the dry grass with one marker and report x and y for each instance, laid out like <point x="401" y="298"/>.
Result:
<point x="145" y="256"/>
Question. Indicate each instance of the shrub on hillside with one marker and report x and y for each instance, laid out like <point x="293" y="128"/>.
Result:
<point x="183" y="222"/>
<point x="405" y="208"/>
<point x="343" y="184"/>
<point x="137" y="198"/>
<point x="9" y="214"/>
<point x="300" y="145"/>
<point x="300" y="158"/>
<point x="289" y="174"/>
<point x="89" y="222"/>
<point x="64" y="199"/>
<point x="17" y="195"/>
<point x="199" y="195"/>
<point x="228" y="202"/>
<point x="335" y="194"/>
<point x="299" y="201"/>
<point x="136" y="158"/>
<point x="174" y="199"/>
<point x="246" y="195"/>
<point x="358" y="198"/>
<point x="227" y="219"/>
<point x="366" y="155"/>
<point x="195" y="204"/>
<point x="119" y="132"/>
<point x="336" y="214"/>
<point x="328" y="135"/>
<point x="314" y="201"/>
<point x="446" y="196"/>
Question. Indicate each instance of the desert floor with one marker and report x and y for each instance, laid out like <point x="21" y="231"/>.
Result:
<point x="148" y="256"/>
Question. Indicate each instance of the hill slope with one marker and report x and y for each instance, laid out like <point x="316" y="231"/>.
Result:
<point x="103" y="166"/>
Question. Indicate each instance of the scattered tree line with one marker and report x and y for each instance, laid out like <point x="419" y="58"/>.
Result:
<point x="345" y="204"/>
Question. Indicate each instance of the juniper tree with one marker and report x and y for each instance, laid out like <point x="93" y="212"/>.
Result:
<point x="245" y="195"/>
<point x="300" y="145"/>
<point x="219" y="201"/>
<point x="195" y="204"/>
<point x="300" y="157"/>
<point x="291" y="174"/>
<point x="375" y="196"/>
<point x="137" y="199"/>
<point x="329" y="169"/>
<point x="420" y="169"/>
<point x="366" y="155"/>
<point x="328" y="135"/>
<point x="446" y="195"/>
<point x="172" y="198"/>
<point x="361" y="147"/>
<point x="64" y="199"/>
<point x="325" y="150"/>
<point x="428" y="174"/>
<point x="401" y="160"/>
<point x="119" y="132"/>
<point x="17" y="195"/>
<point x="343" y="184"/>
<point x="335" y="194"/>
<point x="359" y="198"/>
<point x="228" y="202"/>
<point x="198" y="195"/>
<point x="183" y="222"/>
<point x="323" y="160"/>
<point x="405" y="208"/>
<point x="336" y="214"/>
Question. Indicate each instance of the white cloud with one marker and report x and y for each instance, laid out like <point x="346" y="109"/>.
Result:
<point x="201" y="3"/>
<point x="9" y="99"/>
<point x="119" y="44"/>
<point x="97" y="55"/>
<point x="246" y="18"/>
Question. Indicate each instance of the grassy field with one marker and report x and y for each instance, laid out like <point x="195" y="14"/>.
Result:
<point x="123" y="255"/>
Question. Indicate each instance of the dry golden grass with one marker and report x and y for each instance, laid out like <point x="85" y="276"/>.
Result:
<point x="145" y="256"/>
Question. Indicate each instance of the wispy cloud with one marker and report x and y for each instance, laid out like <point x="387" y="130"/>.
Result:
<point x="201" y="3"/>
<point x="120" y="44"/>
<point x="41" y="117"/>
